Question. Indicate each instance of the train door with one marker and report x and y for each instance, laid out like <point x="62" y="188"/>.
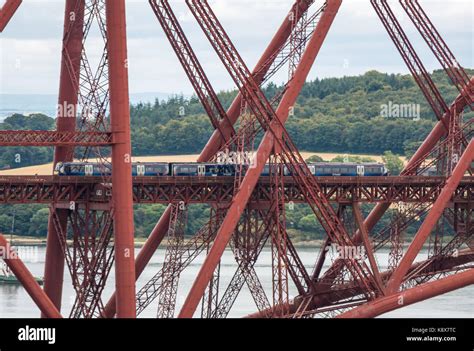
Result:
<point x="140" y="170"/>
<point x="201" y="170"/>
<point x="360" y="171"/>
<point x="312" y="170"/>
<point x="89" y="170"/>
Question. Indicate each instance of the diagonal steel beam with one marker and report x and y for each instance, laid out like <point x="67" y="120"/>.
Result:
<point x="192" y="67"/>
<point x="212" y="147"/>
<point x="27" y="280"/>
<point x="369" y="249"/>
<point x="438" y="132"/>
<point x="411" y="58"/>
<point x="411" y="296"/>
<point x="7" y="12"/>
<point x="265" y="149"/>
<point x="432" y="218"/>
<point x="440" y="49"/>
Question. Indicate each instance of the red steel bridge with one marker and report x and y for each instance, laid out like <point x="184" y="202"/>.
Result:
<point x="91" y="228"/>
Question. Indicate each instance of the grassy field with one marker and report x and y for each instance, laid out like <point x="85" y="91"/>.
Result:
<point x="47" y="169"/>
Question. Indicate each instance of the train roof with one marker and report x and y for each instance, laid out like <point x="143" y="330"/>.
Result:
<point x="346" y="163"/>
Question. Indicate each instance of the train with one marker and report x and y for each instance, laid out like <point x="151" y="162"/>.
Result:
<point x="322" y="169"/>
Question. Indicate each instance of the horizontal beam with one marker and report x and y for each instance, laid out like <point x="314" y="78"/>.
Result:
<point x="53" y="138"/>
<point x="212" y="190"/>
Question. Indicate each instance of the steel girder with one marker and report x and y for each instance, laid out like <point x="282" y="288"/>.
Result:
<point x="18" y="268"/>
<point x="63" y="191"/>
<point x="54" y="138"/>
<point x="262" y="68"/>
<point x="7" y="12"/>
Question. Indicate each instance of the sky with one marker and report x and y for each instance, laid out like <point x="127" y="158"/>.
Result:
<point x="30" y="47"/>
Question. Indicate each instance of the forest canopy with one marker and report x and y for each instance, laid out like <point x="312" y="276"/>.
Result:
<point x="349" y="115"/>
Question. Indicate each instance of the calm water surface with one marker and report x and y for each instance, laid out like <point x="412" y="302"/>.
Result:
<point x="15" y="303"/>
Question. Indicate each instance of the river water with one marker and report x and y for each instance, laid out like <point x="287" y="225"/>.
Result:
<point x="15" y="302"/>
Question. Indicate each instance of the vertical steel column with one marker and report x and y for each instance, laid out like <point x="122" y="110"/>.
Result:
<point x="68" y="97"/>
<point x="265" y="149"/>
<point x="121" y="159"/>
<point x="212" y="147"/>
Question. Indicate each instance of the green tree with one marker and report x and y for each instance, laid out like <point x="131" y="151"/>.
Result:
<point x="315" y="159"/>
<point x="308" y="223"/>
<point x="393" y="163"/>
<point x="353" y="158"/>
<point x="411" y="147"/>
<point x="39" y="223"/>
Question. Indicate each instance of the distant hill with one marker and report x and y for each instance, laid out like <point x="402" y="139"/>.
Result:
<point x="343" y="115"/>
<point x="349" y="115"/>
<point x="27" y="104"/>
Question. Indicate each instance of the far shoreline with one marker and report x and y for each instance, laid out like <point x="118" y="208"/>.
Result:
<point x="139" y="242"/>
<point x="22" y="241"/>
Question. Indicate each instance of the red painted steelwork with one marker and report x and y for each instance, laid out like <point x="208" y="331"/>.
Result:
<point x="262" y="156"/>
<point x="429" y="143"/>
<point x="53" y="138"/>
<point x="166" y="190"/>
<point x="411" y="296"/>
<point x="121" y="159"/>
<point x="432" y="218"/>
<point x="68" y="96"/>
<point x="433" y="39"/>
<point x="27" y="280"/>
<point x="252" y="209"/>
<point x="7" y="12"/>
<point x="212" y="147"/>
<point x="203" y="88"/>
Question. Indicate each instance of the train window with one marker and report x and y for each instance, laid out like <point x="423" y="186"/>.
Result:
<point x="201" y="171"/>
<point x="140" y="170"/>
<point x="89" y="170"/>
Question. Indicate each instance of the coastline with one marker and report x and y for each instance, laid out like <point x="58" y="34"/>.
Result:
<point x="139" y="242"/>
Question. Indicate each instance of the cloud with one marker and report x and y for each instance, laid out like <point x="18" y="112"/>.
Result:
<point x="357" y="42"/>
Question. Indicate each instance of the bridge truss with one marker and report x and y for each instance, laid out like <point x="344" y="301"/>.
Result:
<point x="91" y="225"/>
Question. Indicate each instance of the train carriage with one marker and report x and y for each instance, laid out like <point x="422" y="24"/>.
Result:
<point x="202" y="170"/>
<point x="81" y="169"/>
<point x="150" y="169"/>
<point x="217" y="170"/>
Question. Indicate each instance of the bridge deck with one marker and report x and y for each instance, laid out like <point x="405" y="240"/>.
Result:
<point x="212" y="190"/>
